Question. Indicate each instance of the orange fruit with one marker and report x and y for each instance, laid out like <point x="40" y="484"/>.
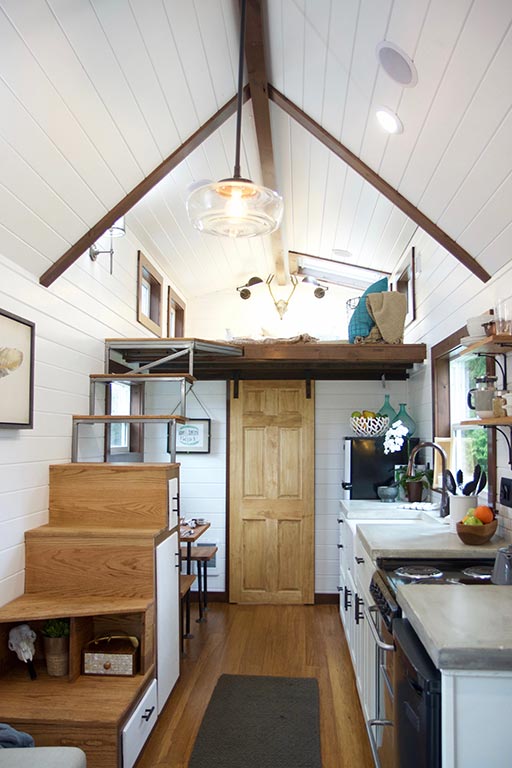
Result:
<point x="485" y="514"/>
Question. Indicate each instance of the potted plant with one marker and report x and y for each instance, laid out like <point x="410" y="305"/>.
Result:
<point x="413" y="485"/>
<point x="56" y="646"/>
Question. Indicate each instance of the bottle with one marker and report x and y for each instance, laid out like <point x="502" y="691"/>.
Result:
<point x="406" y="420"/>
<point x="387" y="410"/>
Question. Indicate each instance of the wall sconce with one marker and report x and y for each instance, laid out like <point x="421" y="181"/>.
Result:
<point x="244" y="291"/>
<point x="320" y="290"/>
<point x="116" y="230"/>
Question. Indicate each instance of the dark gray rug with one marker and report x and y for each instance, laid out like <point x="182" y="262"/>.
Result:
<point x="260" y="722"/>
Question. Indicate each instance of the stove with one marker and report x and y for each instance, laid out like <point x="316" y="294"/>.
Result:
<point x="395" y="572"/>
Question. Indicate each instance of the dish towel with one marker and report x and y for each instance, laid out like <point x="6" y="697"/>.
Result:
<point x="10" y="738"/>
<point x="388" y="309"/>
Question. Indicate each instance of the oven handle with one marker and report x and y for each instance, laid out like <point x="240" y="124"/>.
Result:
<point x="375" y="632"/>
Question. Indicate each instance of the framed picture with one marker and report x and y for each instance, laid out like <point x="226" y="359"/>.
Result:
<point x="403" y="281"/>
<point x="16" y="371"/>
<point x="193" y="437"/>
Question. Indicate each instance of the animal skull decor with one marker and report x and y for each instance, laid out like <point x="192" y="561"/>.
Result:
<point x="21" y="641"/>
<point x="282" y="304"/>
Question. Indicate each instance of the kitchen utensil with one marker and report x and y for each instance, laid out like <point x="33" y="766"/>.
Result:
<point x="469" y="488"/>
<point x="502" y="571"/>
<point x="460" y="478"/>
<point x="481" y="483"/>
<point x="450" y="481"/>
<point x="476" y="474"/>
<point x="477" y="534"/>
<point x="484" y="394"/>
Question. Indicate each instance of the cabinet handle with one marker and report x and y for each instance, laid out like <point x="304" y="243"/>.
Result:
<point x="375" y="632"/>
<point x="358" y="615"/>
<point x="340" y="589"/>
<point x="340" y="520"/>
<point x="346" y="599"/>
<point x="340" y="546"/>
<point x="359" y="560"/>
<point x="177" y="564"/>
<point x="147" y="714"/>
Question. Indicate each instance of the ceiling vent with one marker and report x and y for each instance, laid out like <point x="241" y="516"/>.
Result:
<point x="397" y="64"/>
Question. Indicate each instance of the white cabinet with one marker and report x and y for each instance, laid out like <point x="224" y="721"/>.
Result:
<point x="138" y="727"/>
<point x="167" y="617"/>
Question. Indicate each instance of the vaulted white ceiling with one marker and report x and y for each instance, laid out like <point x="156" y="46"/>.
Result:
<point x="95" y="94"/>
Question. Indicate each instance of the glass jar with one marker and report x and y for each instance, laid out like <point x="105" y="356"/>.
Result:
<point x="406" y="420"/>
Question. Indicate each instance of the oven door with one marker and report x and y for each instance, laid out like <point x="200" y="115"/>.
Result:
<point x="380" y="728"/>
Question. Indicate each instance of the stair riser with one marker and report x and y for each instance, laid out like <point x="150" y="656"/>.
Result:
<point x="94" y="567"/>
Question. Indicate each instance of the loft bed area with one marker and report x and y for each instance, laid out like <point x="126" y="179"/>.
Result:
<point x="298" y="357"/>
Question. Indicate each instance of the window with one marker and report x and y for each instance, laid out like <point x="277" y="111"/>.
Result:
<point x="453" y="374"/>
<point x="469" y="444"/>
<point x="176" y="319"/>
<point x="120" y="403"/>
<point x="149" y="296"/>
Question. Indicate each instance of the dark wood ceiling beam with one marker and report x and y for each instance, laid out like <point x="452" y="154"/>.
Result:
<point x="133" y="197"/>
<point x="258" y="80"/>
<point x="378" y="183"/>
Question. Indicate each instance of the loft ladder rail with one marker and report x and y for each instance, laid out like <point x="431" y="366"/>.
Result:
<point x="170" y="420"/>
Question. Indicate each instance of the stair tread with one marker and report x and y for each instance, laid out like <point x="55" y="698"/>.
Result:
<point x="48" y="605"/>
<point x="141" y="376"/>
<point x="63" y="531"/>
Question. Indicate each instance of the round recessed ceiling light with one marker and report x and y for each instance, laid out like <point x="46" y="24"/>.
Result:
<point x="397" y="64"/>
<point x="388" y="120"/>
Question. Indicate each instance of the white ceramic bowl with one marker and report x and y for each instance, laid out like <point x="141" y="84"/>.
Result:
<point x="369" y="427"/>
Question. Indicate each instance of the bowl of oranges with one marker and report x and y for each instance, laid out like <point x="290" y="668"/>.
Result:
<point x="478" y="526"/>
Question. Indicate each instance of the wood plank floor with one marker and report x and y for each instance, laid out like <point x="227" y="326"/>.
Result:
<point x="293" y="641"/>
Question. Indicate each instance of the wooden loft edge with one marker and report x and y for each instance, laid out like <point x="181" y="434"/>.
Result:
<point x="353" y="353"/>
<point x="138" y="192"/>
<point x="354" y="162"/>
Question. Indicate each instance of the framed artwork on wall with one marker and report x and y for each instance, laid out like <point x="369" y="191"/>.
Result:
<point x="193" y="437"/>
<point x="16" y="371"/>
<point x="403" y="281"/>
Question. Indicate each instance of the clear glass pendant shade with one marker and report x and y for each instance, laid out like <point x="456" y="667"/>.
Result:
<point x="235" y="208"/>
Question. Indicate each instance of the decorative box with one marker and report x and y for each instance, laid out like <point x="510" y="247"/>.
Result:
<point x="112" y="655"/>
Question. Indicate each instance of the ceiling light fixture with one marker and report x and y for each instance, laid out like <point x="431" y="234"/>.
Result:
<point x="244" y="291"/>
<point x="397" y="64"/>
<point x="117" y="229"/>
<point x="236" y="207"/>
<point x="389" y="120"/>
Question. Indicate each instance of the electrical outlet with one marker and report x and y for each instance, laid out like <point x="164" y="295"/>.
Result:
<point x="506" y="491"/>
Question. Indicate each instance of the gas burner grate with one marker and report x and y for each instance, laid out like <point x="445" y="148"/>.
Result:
<point x="419" y="572"/>
<point x="483" y="572"/>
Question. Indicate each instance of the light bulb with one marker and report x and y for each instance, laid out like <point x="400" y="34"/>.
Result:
<point x="235" y="205"/>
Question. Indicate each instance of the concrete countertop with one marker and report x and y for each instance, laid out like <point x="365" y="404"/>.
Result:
<point x="363" y="509"/>
<point x="423" y="539"/>
<point x="461" y="627"/>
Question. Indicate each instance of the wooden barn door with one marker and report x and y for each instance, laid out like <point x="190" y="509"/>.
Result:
<point x="272" y="493"/>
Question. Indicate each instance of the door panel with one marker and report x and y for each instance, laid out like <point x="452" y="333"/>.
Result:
<point x="272" y="493"/>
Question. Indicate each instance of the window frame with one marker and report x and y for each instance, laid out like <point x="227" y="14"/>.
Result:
<point x="176" y="308"/>
<point x="153" y="322"/>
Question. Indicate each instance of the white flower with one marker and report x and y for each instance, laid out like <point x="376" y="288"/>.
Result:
<point x="394" y="437"/>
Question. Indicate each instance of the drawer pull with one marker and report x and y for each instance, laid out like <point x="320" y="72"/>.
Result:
<point x="359" y="560"/>
<point x="147" y="714"/>
<point x="340" y="546"/>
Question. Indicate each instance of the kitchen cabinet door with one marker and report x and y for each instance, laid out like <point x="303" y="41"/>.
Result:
<point x="168" y="622"/>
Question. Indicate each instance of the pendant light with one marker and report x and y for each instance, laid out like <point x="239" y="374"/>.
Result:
<point x="236" y="207"/>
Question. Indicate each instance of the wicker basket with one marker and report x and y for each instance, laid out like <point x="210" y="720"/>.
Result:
<point x="369" y="427"/>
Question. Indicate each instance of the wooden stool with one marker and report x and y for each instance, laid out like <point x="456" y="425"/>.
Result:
<point x="186" y="581"/>
<point x="201" y="555"/>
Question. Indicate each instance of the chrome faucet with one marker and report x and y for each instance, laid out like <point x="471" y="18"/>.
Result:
<point x="444" y="511"/>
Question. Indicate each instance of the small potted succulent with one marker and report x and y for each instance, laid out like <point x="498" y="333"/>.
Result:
<point x="56" y="646"/>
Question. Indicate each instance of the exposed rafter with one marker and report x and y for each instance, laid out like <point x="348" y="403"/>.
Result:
<point x="376" y="181"/>
<point x="133" y="197"/>
<point x="258" y="82"/>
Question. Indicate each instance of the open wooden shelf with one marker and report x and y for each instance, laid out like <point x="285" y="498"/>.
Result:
<point x="491" y="345"/>
<point x="41" y="605"/>
<point x="499" y="421"/>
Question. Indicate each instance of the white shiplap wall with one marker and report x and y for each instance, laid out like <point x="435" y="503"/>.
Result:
<point x="72" y="320"/>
